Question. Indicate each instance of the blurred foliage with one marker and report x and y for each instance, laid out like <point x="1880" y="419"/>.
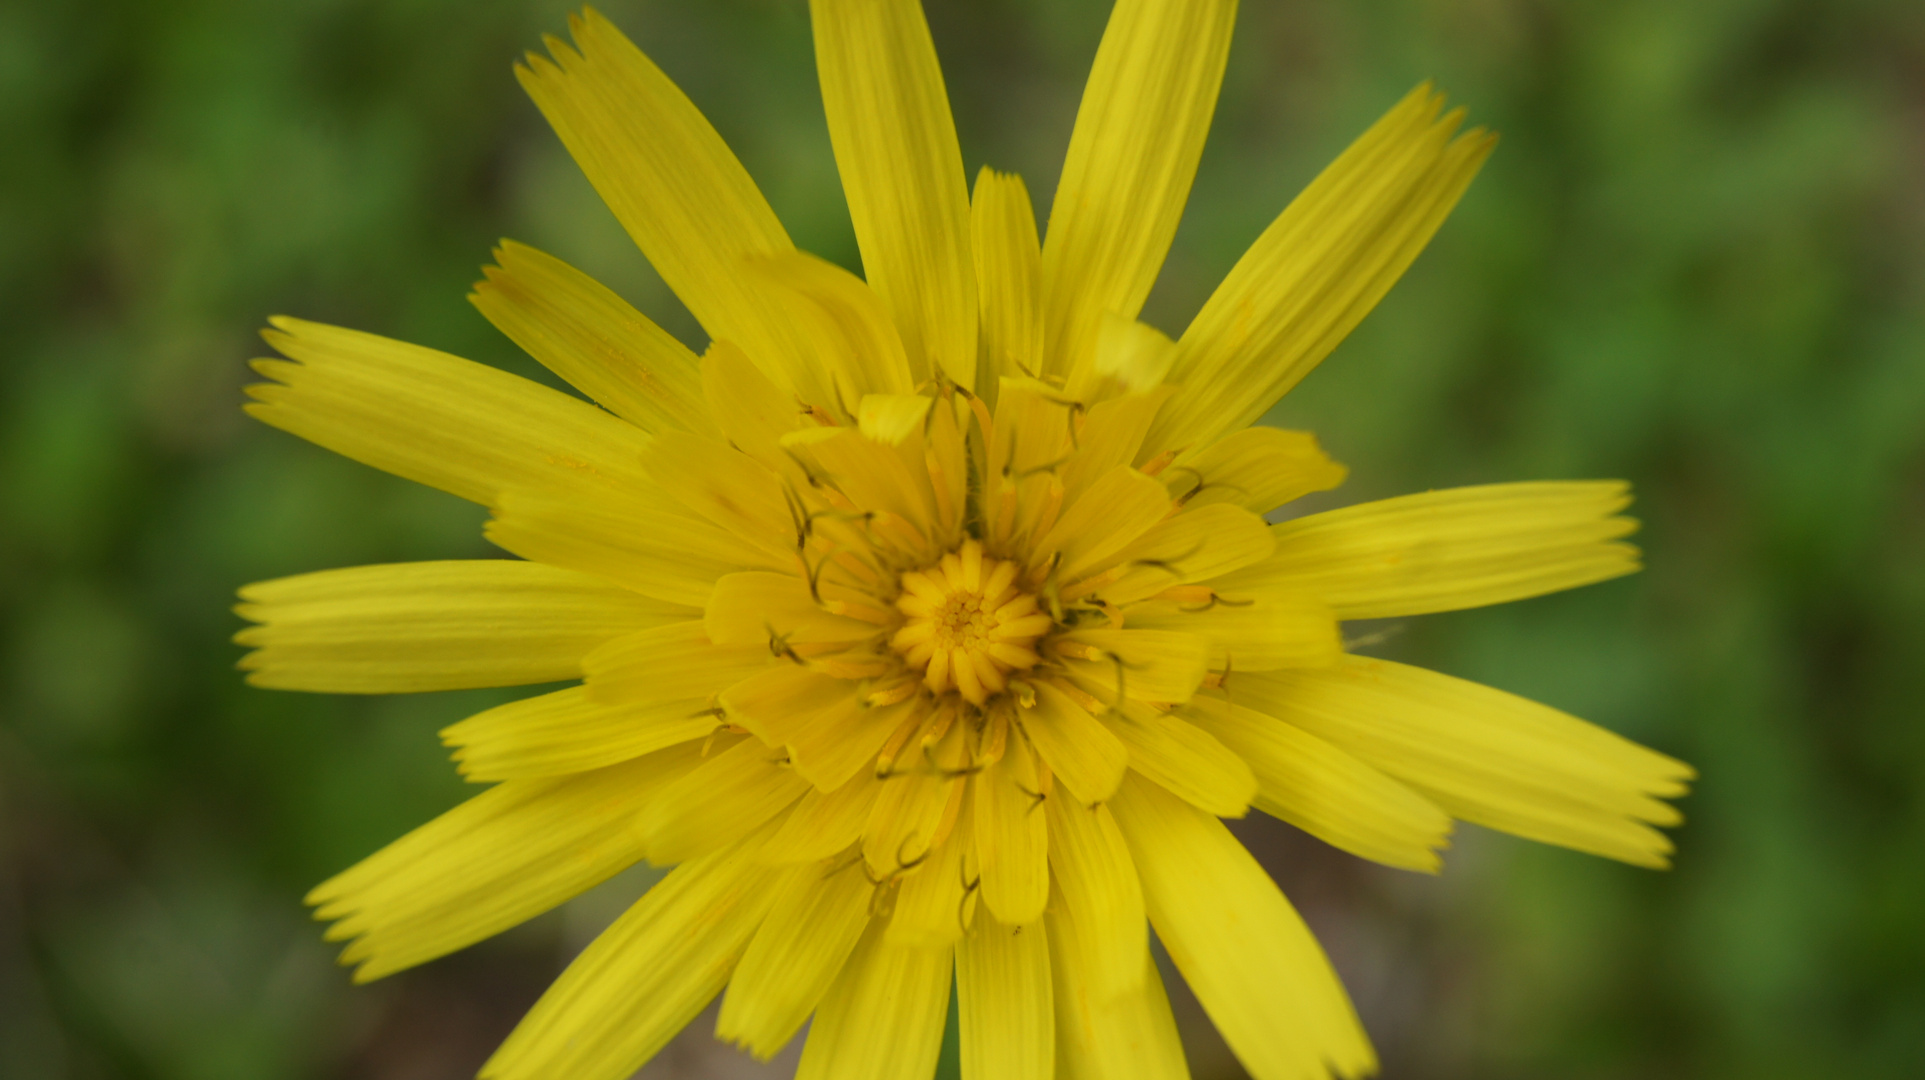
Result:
<point x="1697" y="261"/>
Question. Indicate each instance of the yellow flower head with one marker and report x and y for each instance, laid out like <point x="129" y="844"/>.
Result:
<point x="928" y="623"/>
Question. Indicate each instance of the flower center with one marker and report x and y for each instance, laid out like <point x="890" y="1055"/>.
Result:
<point x="969" y="623"/>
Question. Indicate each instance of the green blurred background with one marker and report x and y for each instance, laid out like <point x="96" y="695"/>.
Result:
<point x="1696" y="261"/>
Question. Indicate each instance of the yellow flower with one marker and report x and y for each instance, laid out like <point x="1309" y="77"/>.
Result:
<point x="928" y="623"/>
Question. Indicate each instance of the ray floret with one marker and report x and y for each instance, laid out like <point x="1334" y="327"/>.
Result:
<point x="929" y="624"/>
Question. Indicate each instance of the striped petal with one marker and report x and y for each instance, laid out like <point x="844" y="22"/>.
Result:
<point x="645" y="977"/>
<point x="1486" y="756"/>
<point x="1325" y="791"/>
<point x="814" y="924"/>
<point x="408" y="627"/>
<point x="1199" y="543"/>
<point x="650" y="544"/>
<point x="1004" y="1002"/>
<point x="1097" y="884"/>
<point x="1008" y="279"/>
<point x="714" y="480"/>
<point x="580" y="330"/>
<point x="437" y="419"/>
<point x="1085" y="755"/>
<point x="1257" y="468"/>
<point x="1448" y="550"/>
<point x="1185" y="760"/>
<point x="1112" y="431"/>
<point x="895" y="146"/>
<point x="671" y="181"/>
<point x="1239" y="944"/>
<point x="1132" y="155"/>
<point x="853" y="346"/>
<point x="1274" y="630"/>
<point x="824" y="824"/>
<point x="1318" y="270"/>
<point x="883" y="1018"/>
<point x="502" y="857"/>
<point x="673" y="663"/>
<point x="936" y="901"/>
<point x="566" y="732"/>
<point x="767" y="609"/>
<point x="728" y="796"/>
<point x="1143" y="665"/>
<point x="1012" y="837"/>
<point x="1119" y="506"/>
<point x="1105" y="1033"/>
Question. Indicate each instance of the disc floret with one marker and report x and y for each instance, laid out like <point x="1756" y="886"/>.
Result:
<point x="969" y="623"/>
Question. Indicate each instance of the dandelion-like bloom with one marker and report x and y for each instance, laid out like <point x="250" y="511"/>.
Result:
<point x="928" y="624"/>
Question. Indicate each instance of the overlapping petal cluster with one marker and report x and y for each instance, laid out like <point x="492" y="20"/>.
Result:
<point x="929" y="624"/>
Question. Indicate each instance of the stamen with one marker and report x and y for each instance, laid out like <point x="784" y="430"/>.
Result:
<point x="967" y="624"/>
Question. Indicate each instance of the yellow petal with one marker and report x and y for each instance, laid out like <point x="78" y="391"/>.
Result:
<point x="449" y="625"/>
<point x="1324" y="791"/>
<point x="726" y="797"/>
<point x="1104" y="1034"/>
<point x="837" y="743"/>
<point x="1130" y="358"/>
<point x="890" y="419"/>
<point x="1486" y="756"/>
<point x="908" y="815"/>
<point x="776" y="702"/>
<point x="1132" y="155"/>
<point x="1004" y="1004"/>
<point x="674" y="663"/>
<point x="1150" y="665"/>
<point x="1185" y="760"/>
<point x="1034" y="428"/>
<point x="1193" y="545"/>
<point x="670" y="180"/>
<point x="762" y="608"/>
<point x="752" y="411"/>
<point x="1111" y="433"/>
<point x="504" y="856"/>
<point x="1012" y="837"/>
<point x="583" y="332"/>
<point x="883" y="1018"/>
<point x="566" y="732"/>
<point x="1245" y="634"/>
<point x="645" y="977"/>
<point x="814" y="923"/>
<point x="854" y="348"/>
<point x="936" y="900"/>
<point x="1085" y="756"/>
<point x="1118" y="507"/>
<point x="895" y="146"/>
<point x="650" y="545"/>
<point x="1257" y="468"/>
<point x="830" y="731"/>
<point x="1318" y="270"/>
<point x="946" y="458"/>
<point x="822" y="720"/>
<point x="824" y="824"/>
<point x="1239" y="944"/>
<point x="1002" y="227"/>
<point x="436" y="419"/>
<point x="1446" y="550"/>
<point x="878" y="477"/>
<point x="1097" y="883"/>
<point x="713" y="479"/>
